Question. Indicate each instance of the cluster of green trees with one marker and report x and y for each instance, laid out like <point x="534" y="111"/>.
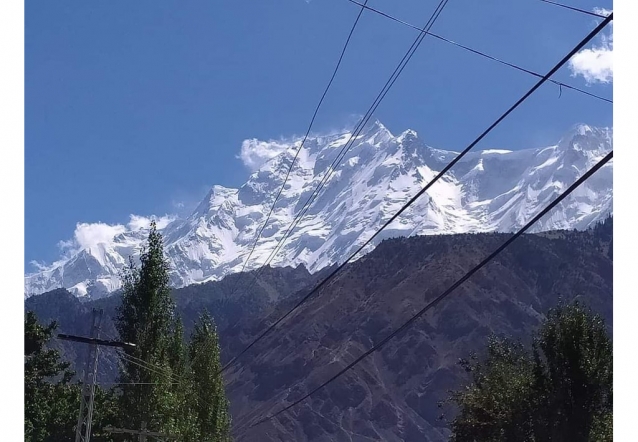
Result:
<point x="172" y="386"/>
<point x="560" y="389"/>
<point x="51" y="399"/>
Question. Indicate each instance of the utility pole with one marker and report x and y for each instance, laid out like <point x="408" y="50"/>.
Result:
<point x="83" y="430"/>
<point x="142" y="433"/>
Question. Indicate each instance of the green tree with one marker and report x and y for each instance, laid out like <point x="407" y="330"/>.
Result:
<point x="560" y="390"/>
<point x="46" y="383"/>
<point x="51" y="399"/>
<point x="146" y="317"/>
<point x="496" y="406"/>
<point x="208" y="399"/>
<point x="573" y="367"/>
<point x="181" y="421"/>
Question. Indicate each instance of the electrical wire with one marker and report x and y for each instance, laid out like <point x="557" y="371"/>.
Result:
<point x="312" y="120"/>
<point x="354" y="135"/>
<point x="146" y="365"/>
<point x="453" y="287"/>
<point x="159" y="370"/>
<point x="406" y="58"/>
<point x="582" y="11"/>
<point x="482" y="54"/>
<point x="545" y="78"/>
<point x="132" y="383"/>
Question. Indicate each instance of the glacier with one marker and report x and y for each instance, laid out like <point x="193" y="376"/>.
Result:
<point x="488" y="190"/>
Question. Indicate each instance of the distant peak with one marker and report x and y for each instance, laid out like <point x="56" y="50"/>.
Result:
<point x="222" y="190"/>
<point x="573" y="139"/>
<point x="377" y="127"/>
<point x="377" y="133"/>
<point x="407" y="135"/>
<point x="582" y="129"/>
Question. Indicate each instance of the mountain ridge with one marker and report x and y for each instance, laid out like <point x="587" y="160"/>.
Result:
<point x="489" y="190"/>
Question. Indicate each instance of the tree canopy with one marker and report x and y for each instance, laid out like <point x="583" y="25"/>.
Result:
<point x="560" y="389"/>
<point x="172" y="386"/>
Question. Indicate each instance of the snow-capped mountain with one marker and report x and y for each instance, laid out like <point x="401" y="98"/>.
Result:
<point x="489" y="190"/>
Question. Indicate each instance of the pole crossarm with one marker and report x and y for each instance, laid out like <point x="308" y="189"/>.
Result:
<point x="96" y="341"/>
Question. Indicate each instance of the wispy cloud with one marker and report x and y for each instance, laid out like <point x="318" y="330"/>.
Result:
<point x="144" y="222"/>
<point x="595" y="64"/>
<point x="254" y="153"/>
<point x="40" y="266"/>
<point x="90" y="235"/>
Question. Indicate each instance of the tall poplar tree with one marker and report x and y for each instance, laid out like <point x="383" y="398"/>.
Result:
<point x="208" y="399"/>
<point x="146" y="318"/>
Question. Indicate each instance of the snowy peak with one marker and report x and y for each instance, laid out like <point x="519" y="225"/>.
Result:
<point x="486" y="191"/>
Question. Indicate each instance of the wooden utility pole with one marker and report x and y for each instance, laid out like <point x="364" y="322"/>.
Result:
<point x="83" y="430"/>
<point x="142" y="433"/>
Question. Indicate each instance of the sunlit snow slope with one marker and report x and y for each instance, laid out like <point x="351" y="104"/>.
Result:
<point x="486" y="191"/>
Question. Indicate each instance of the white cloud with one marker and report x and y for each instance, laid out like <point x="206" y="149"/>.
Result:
<point x="595" y="64"/>
<point x="66" y="245"/>
<point x="602" y="11"/>
<point x="40" y="266"/>
<point x="89" y="235"/>
<point x="142" y="222"/>
<point x="254" y="153"/>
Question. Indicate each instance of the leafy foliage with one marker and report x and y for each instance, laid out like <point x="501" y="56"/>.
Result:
<point x="145" y="317"/>
<point x="174" y="388"/>
<point x="560" y="390"/>
<point x="167" y="393"/>
<point x="51" y="400"/>
<point x="42" y="415"/>
<point x="209" y="403"/>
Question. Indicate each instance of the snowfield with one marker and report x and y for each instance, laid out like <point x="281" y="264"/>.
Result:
<point x="489" y="190"/>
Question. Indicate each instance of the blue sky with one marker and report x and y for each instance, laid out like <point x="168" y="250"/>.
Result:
<point x="138" y="107"/>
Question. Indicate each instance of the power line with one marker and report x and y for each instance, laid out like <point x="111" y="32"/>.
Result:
<point x="355" y="133"/>
<point x="551" y="72"/>
<point x="482" y="54"/>
<point x="159" y="370"/>
<point x="312" y="120"/>
<point x="453" y="287"/>
<point x="146" y="365"/>
<point x="153" y="368"/>
<point x="573" y="8"/>
<point x="132" y="383"/>
<point x="359" y="127"/>
<point x="140" y="363"/>
<point x="583" y="42"/>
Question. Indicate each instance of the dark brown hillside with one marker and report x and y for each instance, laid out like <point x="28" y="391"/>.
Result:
<point x="392" y="395"/>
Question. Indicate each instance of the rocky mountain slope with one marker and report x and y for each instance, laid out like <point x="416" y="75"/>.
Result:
<point x="393" y="394"/>
<point x="490" y="190"/>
